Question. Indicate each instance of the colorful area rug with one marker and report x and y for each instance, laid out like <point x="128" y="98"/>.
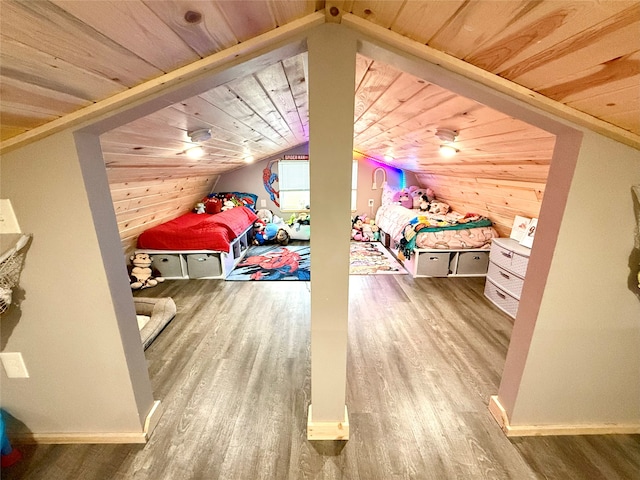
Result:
<point x="371" y="258"/>
<point x="273" y="262"/>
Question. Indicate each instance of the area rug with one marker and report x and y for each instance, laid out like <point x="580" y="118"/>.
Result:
<point x="273" y="262"/>
<point x="371" y="258"/>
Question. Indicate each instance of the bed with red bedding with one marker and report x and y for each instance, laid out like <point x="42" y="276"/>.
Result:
<point x="193" y="231"/>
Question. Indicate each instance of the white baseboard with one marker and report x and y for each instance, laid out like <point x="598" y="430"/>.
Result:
<point x="500" y="415"/>
<point x="327" y="430"/>
<point x="153" y="417"/>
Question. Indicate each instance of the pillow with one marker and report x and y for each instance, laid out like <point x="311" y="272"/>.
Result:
<point x="387" y="194"/>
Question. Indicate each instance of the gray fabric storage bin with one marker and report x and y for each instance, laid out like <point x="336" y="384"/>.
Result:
<point x="169" y="265"/>
<point x="433" y="264"/>
<point x="473" y="263"/>
<point x="201" y="265"/>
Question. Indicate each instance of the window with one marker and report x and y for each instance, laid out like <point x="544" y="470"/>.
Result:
<point x="293" y="180"/>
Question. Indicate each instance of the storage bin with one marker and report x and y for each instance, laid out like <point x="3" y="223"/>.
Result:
<point x="432" y="264"/>
<point x="509" y="258"/>
<point x="472" y="263"/>
<point x="201" y="265"/>
<point x="169" y="265"/>
<point x="501" y="299"/>
<point x="509" y="282"/>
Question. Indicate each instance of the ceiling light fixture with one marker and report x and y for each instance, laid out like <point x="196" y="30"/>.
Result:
<point x="446" y="135"/>
<point x="200" y="135"/>
<point x="195" y="152"/>
<point x="388" y="158"/>
<point x="447" y="151"/>
<point x="249" y="159"/>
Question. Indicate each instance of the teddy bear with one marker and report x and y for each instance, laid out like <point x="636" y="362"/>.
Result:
<point x="265" y="215"/>
<point x="200" y="208"/>
<point x="141" y="275"/>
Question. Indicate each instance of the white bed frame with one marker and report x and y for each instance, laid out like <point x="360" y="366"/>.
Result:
<point x="200" y="264"/>
<point x="424" y="262"/>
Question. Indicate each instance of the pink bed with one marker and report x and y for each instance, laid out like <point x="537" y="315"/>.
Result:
<point x="193" y="231"/>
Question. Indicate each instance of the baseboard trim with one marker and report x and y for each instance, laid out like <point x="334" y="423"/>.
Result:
<point x="77" y="438"/>
<point x="500" y="415"/>
<point x="153" y="417"/>
<point x="327" y="430"/>
<point x="150" y="423"/>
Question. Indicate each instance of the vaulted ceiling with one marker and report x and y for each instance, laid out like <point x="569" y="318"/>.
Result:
<point x="58" y="57"/>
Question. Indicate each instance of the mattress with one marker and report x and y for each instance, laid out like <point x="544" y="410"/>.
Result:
<point x="193" y="231"/>
<point x="451" y="235"/>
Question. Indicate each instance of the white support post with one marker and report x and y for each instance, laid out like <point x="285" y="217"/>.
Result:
<point x="332" y="51"/>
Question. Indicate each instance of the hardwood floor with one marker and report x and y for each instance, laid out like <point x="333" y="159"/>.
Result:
<point x="232" y="371"/>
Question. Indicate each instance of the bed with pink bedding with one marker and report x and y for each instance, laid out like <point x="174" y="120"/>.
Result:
<point x="451" y="231"/>
<point x="193" y="231"/>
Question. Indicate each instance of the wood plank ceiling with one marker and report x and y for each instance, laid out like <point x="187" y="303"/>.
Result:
<point x="58" y="56"/>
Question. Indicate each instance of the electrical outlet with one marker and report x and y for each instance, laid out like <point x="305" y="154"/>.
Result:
<point x="13" y="364"/>
<point x="371" y="202"/>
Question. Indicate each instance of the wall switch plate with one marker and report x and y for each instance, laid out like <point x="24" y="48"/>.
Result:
<point x="371" y="202"/>
<point x="13" y="364"/>
<point x="263" y="203"/>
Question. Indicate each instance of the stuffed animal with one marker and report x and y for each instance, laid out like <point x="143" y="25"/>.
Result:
<point x="357" y="229"/>
<point x="141" y="275"/>
<point x="282" y="237"/>
<point x="438" y="208"/>
<point x="403" y="198"/>
<point x="265" y="232"/>
<point x="227" y="205"/>
<point x="424" y="204"/>
<point x="200" y="208"/>
<point x="265" y="215"/>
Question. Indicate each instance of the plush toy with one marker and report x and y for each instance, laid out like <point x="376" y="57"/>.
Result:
<point x="212" y="204"/>
<point x="265" y="215"/>
<point x="141" y="275"/>
<point x="403" y="198"/>
<point x="303" y="219"/>
<point x="282" y="237"/>
<point x="424" y="204"/>
<point x="227" y="205"/>
<point x="200" y="208"/>
<point x="265" y="232"/>
<point x="438" y="208"/>
<point x="357" y="229"/>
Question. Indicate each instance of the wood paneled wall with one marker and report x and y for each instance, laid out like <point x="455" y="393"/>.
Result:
<point x="499" y="199"/>
<point x="143" y="203"/>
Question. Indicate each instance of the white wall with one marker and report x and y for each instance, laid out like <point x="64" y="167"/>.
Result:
<point x="583" y="364"/>
<point x="85" y="372"/>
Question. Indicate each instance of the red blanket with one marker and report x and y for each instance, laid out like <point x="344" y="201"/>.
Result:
<point x="193" y="231"/>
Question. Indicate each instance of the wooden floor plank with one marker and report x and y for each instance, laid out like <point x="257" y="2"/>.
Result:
<point x="233" y="373"/>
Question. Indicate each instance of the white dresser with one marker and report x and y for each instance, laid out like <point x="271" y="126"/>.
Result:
<point x="508" y="262"/>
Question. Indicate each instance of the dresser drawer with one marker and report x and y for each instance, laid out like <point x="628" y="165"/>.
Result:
<point x="432" y="264"/>
<point x="169" y="265"/>
<point x="506" y="280"/>
<point x="201" y="265"/>
<point x="509" y="259"/>
<point x="501" y="298"/>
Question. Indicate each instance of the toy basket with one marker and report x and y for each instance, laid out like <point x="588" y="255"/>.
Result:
<point x="11" y="264"/>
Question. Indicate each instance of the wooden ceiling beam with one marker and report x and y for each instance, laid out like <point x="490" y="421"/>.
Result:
<point x="390" y="40"/>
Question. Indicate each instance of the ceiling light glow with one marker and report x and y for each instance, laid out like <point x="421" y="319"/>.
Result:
<point x="195" y="152"/>
<point x="447" y="151"/>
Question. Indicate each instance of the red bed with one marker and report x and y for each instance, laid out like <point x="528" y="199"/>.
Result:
<point x="193" y="231"/>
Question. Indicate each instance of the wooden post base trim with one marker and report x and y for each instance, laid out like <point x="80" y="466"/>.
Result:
<point x="153" y="417"/>
<point x="500" y="415"/>
<point x="327" y="430"/>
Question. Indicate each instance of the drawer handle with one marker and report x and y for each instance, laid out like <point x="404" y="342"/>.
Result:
<point x="507" y="254"/>
<point x="434" y="258"/>
<point x="202" y="259"/>
<point x="164" y="259"/>
<point x="501" y="295"/>
<point x="505" y="275"/>
<point x="476" y="257"/>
